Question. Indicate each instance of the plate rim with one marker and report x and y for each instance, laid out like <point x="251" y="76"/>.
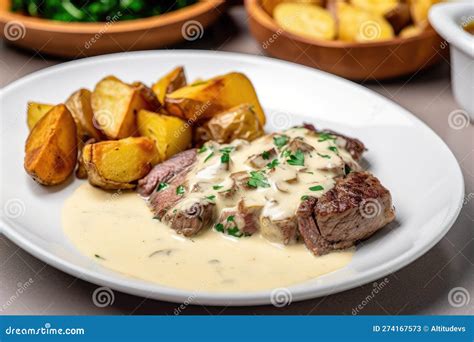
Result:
<point x="160" y="292"/>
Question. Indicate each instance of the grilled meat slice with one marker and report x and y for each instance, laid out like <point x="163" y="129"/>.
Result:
<point x="353" y="210"/>
<point x="354" y="146"/>
<point x="242" y="220"/>
<point x="165" y="171"/>
<point x="192" y="219"/>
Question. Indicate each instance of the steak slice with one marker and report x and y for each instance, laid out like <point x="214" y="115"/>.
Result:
<point x="190" y="220"/>
<point x="354" y="146"/>
<point x="165" y="171"/>
<point x="353" y="210"/>
<point x="240" y="220"/>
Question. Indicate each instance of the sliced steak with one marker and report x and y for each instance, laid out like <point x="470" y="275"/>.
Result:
<point x="192" y="219"/>
<point x="282" y="231"/>
<point x="354" y="146"/>
<point x="353" y="210"/>
<point x="242" y="220"/>
<point x="165" y="171"/>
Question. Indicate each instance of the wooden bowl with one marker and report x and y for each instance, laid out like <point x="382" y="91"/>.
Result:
<point x="355" y="61"/>
<point x="73" y="39"/>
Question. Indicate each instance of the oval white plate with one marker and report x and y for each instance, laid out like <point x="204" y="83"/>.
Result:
<point x="410" y="160"/>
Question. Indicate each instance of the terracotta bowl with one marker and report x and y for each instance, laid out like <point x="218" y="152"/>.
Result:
<point x="356" y="61"/>
<point x="87" y="39"/>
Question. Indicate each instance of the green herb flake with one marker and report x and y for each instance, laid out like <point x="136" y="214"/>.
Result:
<point x="235" y="232"/>
<point x="161" y="186"/>
<point x="219" y="227"/>
<point x="304" y="198"/>
<point x="217" y="187"/>
<point x="273" y="164"/>
<point x="316" y="188"/>
<point x="180" y="190"/>
<point x="230" y="218"/>
<point x="202" y="149"/>
<point x="333" y="148"/>
<point x="257" y="179"/>
<point x="211" y="197"/>
<point x="324" y="156"/>
<point x="266" y="155"/>
<point x="296" y="159"/>
<point x="209" y="156"/>
<point x="326" y="136"/>
<point x="99" y="257"/>
<point x="280" y="141"/>
<point x="225" y="156"/>
<point x="347" y="169"/>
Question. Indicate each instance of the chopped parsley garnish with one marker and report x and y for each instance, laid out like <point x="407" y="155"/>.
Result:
<point x="324" y="156"/>
<point x="266" y="155"/>
<point x="209" y="156"/>
<point x="217" y="187"/>
<point x="280" y="141"/>
<point x="225" y="157"/>
<point x="211" y="197"/>
<point x="326" y="136"/>
<point x="286" y="153"/>
<point x="219" y="227"/>
<point x="347" y="169"/>
<point x="234" y="231"/>
<point x="296" y="159"/>
<point x="230" y="218"/>
<point x="257" y="179"/>
<point x="274" y="163"/>
<point x="304" y="198"/>
<point x="180" y="190"/>
<point x="332" y="148"/>
<point x="202" y="149"/>
<point x="316" y="188"/>
<point x="161" y="186"/>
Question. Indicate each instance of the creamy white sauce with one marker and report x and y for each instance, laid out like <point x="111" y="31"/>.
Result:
<point x="119" y="232"/>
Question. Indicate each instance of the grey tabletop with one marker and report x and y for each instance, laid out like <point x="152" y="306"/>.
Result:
<point x="439" y="282"/>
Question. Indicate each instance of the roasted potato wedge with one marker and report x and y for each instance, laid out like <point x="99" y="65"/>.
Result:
<point x="356" y="25"/>
<point x="379" y="7"/>
<point x="419" y="10"/>
<point x="411" y="31"/>
<point x="148" y="95"/>
<point x="115" y="105"/>
<point x="118" y="164"/>
<point x="306" y="20"/>
<point x="35" y="112"/>
<point x="201" y="101"/>
<point x="167" y="84"/>
<point x="79" y="104"/>
<point x="239" y="122"/>
<point x="170" y="133"/>
<point x="269" y="5"/>
<point x="399" y="17"/>
<point x="51" y="147"/>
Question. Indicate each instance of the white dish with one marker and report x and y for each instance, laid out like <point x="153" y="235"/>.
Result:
<point x="448" y="20"/>
<point x="410" y="160"/>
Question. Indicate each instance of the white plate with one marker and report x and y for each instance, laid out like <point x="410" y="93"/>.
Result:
<point x="410" y="160"/>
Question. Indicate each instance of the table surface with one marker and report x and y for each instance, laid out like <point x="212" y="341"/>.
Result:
<point x="423" y="287"/>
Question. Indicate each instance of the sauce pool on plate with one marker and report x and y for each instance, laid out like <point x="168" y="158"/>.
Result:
<point x="119" y="232"/>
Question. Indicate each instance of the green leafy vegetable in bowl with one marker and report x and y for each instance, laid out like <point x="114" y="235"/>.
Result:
<point x="96" y="10"/>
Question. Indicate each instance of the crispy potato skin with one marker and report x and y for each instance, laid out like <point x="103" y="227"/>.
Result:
<point x="148" y="95"/>
<point x="202" y="101"/>
<point x="51" y="147"/>
<point x="399" y="17"/>
<point x="115" y="105"/>
<point x="79" y="104"/>
<point x="174" y="80"/>
<point x="170" y="134"/>
<point x="35" y="112"/>
<point x="239" y="122"/>
<point x="118" y="164"/>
